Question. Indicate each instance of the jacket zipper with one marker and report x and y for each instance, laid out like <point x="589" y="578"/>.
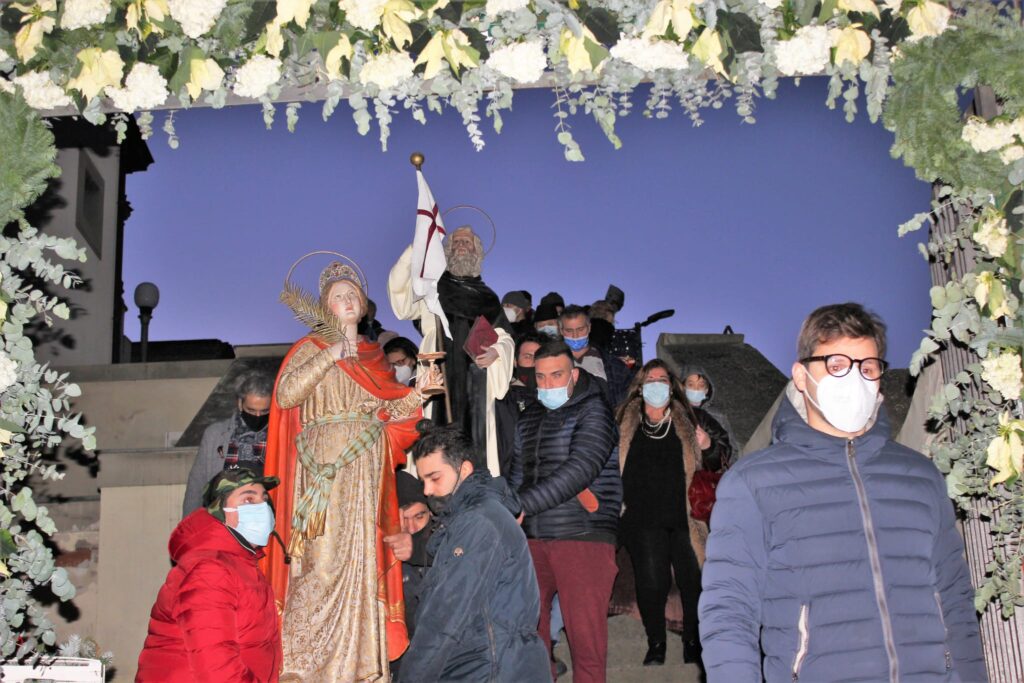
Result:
<point x="945" y="632"/>
<point x="876" y="564"/>
<point x="805" y="639"/>
<point x="493" y="645"/>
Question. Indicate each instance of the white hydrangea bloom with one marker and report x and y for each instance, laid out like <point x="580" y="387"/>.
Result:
<point x="1017" y="126"/>
<point x="994" y="235"/>
<point x="772" y="4"/>
<point x="6" y="85"/>
<point x="40" y="92"/>
<point x="984" y="137"/>
<point x="82" y="13"/>
<point x="196" y="16"/>
<point x="364" y="14"/>
<point x="496" y="7"/>
<point x="4" y="56"/>
<point x="806" y="53"/>
<point x="255" y="77"/>
<point x="386" y="70"/>
<point x="1003" y="373"/>
<point x="1012" y="154"/>
<point x="522" y="62"/>
<point x="144" y="88"/>
<point x="8" y="372"/>
<point x="650" y="55"/>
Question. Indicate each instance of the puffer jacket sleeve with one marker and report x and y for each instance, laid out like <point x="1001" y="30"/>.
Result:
<point x="457" y="592"/>
<point x="733" y="580"/>
<point x="956" y="595"/>
<point x="205" y="612"/>
<point x="589" y="444"/>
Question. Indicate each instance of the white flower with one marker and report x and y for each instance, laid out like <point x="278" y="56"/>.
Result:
<point x="927" y="19"/>
<point x="1017" y="126"/>
<point x="196" y="16"/>
<point x="144" y="88"/>
<point x="82" y="13"/>
<point x="1003" y="373"/>
<point x="522" y="62"/>
<point x="40" y="92"/>
<point x="255" y="77"/>
<point x="496" y="7"/>
<point x="650" y="55"/>
<point x="994" y="235"/>
<point x="4" y="56"/>
<point x="1012" y="154"/>
<point x="8" y="372"/>
<point x="6" y="85"/>
<point x="386" y="70"/>
<point x="984" y="137"/>
<point x="806" y="53"/>
<point x="771" y="4"/>
<point x="364" y="14"/>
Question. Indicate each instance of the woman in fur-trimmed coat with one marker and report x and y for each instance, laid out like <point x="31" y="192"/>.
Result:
<point x="659" y="453"/>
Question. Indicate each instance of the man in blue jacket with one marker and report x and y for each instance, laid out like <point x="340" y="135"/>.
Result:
<point x="478" y="606"/>
<point x="835" y="551"/>
<point x="565" y="469"/>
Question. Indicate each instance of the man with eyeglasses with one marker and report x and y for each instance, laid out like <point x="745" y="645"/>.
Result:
<point x="238" y="441"/>
<point x="835" y="551"/>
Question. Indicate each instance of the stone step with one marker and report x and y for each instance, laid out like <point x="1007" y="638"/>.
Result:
<point x="627" y="645"/>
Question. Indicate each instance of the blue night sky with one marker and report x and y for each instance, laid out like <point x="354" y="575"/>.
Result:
<point x="728" y="223"/>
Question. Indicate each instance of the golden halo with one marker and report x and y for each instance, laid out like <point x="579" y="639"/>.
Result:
<point x="494" y="230"/>
<point x="359" y="271"/>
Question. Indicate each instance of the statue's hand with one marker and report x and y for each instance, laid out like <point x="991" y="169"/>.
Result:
<point x="486" y="359"/>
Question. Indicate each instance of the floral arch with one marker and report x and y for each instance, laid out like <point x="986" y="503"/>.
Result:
<point x="911" y="60"/>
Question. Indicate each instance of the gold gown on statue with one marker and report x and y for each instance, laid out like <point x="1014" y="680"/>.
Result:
<point x="334" y="624"/>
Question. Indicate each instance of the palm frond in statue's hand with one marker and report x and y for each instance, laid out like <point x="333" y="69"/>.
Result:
<point x="310" y="312"/>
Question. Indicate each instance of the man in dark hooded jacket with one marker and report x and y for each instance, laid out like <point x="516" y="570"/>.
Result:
<point x="479" y="603"/>
<point x="835" y="552"/>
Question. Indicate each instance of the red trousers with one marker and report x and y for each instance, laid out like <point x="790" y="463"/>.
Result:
<point x="582" y="573"/>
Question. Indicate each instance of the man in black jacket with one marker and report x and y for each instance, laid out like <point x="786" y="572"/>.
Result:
<point x="477" y="617"/>
<point x="565" y="470"/>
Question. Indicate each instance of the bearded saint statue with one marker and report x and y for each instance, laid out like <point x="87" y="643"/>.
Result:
<point x="339" y="427"/>
<point x="474" y="384"/>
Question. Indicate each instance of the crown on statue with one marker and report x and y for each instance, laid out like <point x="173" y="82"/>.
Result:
<point x="336" y="272"/>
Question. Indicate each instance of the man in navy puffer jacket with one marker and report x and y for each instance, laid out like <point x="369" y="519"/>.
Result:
<point x="565" y="469"/>
<point x="837" y="548"/>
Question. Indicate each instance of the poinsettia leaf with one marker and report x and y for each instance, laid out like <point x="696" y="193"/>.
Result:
<point x="420" y="37"/>
<point x="451" y="12"/>
<point x="479" y="43"/>
<point x="324" y="41"/>
<point x="742" y="32"/>
<point x="184" y="71"/>
<point x="601" y="23"/>
<point x="7" y="545"/>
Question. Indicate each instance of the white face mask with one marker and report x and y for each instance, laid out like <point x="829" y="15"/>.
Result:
<point x="403" y="373"/>
<point x="847" y="402"/>
<point x="511" y="314"/>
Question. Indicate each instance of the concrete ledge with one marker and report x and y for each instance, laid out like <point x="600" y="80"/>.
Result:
<point x="120" y="372"/>
<point x="154" y="467"/>
<point x="672" y="338"/>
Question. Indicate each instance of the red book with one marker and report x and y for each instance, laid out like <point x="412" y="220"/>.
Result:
<point x="481" y="337"/>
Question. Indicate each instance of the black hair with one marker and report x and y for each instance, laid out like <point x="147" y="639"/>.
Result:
<point x="402" y="344"/>
<point x="552" y="349"/>
<point x="534" y="337"/>
<point x="573" y="311"/>
<point x="455" y="447"/>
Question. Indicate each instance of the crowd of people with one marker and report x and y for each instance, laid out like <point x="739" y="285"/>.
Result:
<point x="345" y="525"/>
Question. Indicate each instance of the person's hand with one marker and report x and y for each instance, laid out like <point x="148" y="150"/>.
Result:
<point x="703" y="440"/>
<point x="486" y="359"/>
<point x="401" y="545"/>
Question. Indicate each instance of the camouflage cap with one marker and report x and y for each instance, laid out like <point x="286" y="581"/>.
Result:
<point x="226" y="481"/>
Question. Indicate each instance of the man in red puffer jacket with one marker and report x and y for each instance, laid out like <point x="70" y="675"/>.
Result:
<point x="215" y="618"/>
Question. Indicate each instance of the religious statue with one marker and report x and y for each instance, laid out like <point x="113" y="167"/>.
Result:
<point x="339" y="427"/>
<point x="474" y="383"/>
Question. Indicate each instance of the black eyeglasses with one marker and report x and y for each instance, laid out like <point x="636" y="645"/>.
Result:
<point x="839" y="365"/>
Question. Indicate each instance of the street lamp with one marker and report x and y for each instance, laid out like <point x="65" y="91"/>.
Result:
<point x="147" y="296"/>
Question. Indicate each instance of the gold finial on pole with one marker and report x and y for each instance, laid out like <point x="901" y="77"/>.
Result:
<point x="416" y="159"/>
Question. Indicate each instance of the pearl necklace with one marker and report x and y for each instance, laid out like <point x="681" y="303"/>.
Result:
<point x="657" y="430"/>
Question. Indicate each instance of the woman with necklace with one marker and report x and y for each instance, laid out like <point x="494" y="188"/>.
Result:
<point x="658" y="455"/>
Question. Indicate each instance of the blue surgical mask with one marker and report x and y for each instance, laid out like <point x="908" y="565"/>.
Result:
<point x="656" y="394"/>
<point x="549" y="330"/>
<point x="696" y="396"/>
<point x="577" y="344"/>
<point x="553" y="399"/>
<point x="255" y="522"/>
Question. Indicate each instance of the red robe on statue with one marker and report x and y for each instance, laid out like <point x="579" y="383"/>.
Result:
<point x="374" y="374"/>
